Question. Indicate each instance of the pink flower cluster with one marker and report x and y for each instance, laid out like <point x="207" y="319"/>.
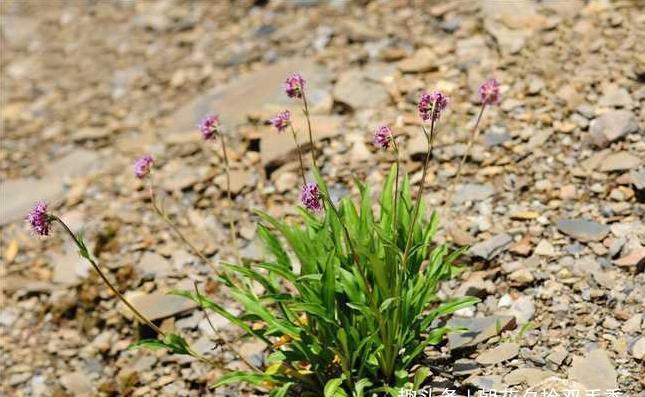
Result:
<point x="382" y="137"/>
<point x="431" y="105"/>
<point x="143" y="165"/>
<point x="489" y="92"/>
<point x="39" y="219"/>
<point x="281" y="121"/>
<point x="209" y="126"/>
<point x="294" y="86"/>
<point x="311" y="198"/>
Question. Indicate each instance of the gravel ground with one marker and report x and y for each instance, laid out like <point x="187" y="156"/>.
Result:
<point x="550" y="201"/>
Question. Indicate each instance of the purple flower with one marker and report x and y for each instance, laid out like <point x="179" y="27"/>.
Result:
<point x="431" y="105"/>
<point x="382" y="137"/>
<point x="489" y="92"/>
<point x="281" y="121"/>
<point x="310" y="197"/>
<point x="39" y="219"/>
<point x="209" y="126"/>
<point x="294" y="86"/>
<point x="143" y="165"/>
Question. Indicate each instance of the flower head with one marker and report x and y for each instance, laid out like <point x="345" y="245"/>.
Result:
<point x="310" y="197"/>
<point x="294" y="85"/>
<point x="383" y="137"/>
<point x="431" y="105"/>
<point x="281" y="120"/>
<point x="39" y="219"/>
<point x="489" y="92"/>
<point x="143" y="165"/>
<point x="209" y="126"/>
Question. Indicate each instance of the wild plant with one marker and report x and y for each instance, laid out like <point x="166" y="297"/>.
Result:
<point x="346" y="301"/>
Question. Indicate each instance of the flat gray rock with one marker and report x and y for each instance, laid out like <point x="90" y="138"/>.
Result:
<point x="479" y="330"/>
<point x="492" y="247"/>
<point x="582" y="229"/>
<point x="156" y="305"/>
<point x="252" y="93"/>
<point x="503" y="352"/>
<point x="620" y="161"/>
<point x="355" y="90"/>
<point x="594" y="371"/>
<point x="473" y="192"/>
<point x="612" y="126"/>
<point x="490" y="382"/>
<point x="19" y="195"/>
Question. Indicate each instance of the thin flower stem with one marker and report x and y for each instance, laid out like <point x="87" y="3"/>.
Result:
<point x="162" y="214"/>
<point x="86" y="255"/>
<point x="232" y="228"/>
<point x="220" y="337"/>
<point x="430" y="141"/>
<point x="473" y="137"/>
<point x="302" y="166"/>
<point x="396" y="189"/>
<point x="311" y="139"/>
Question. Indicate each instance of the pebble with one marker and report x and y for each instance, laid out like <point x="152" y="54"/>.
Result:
<point x="612" y="126"/>
<point x="594" y="371"/>
<point x="621" y="161"/>
<point x="492" y="247"/>
<point x="582" y="229"/>
<point x="480" y="329"/>
<point x="503" y="352"/>
<point x="472" y="192"/>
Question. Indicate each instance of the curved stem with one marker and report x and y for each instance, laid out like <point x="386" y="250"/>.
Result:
<point x="302" y="166"/>
<point x="162" y="214"/>
<point x="83" y="249"/>
<point x="232" y="228"/>
<point x="473" y="137"/>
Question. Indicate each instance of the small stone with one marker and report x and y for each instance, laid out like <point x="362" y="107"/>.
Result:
<point x="422" y="61"/>
<point x="153" y="265"/>
<point x="525" y="215"/>
<point x="582" y="229"/>
<point x="156" y="306"/>
<point x="615" y="96"/>
<point x="568" y="192"/>
<point x="594" y="371"/>
<point x="522" y="308"/>
<point x="480" y="329"/>
<point x="544" y="248"/>
<point x="633" y="325"/>
<point x="620" y="161"/>
<point x="491" y="382"/>
<point x="465" y="367"/>
<point x="612" y="126"/>
<point x="610" y="323"/>
<point x="472" y="192"/>
<point x="77" y="383"/>
<point x="355" y="90"/>
<point x="522" y="247"/>
<point x="503" y="352"/>
<point x="492" y="247"/>
<point x="638" y="350"/>
<point x="530" y="376"/>
<point x="557" y="356"/>
<point x="521" y="277"/>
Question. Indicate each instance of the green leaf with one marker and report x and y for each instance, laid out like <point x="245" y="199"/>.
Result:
<point x="253" y="378"/>
<point x="281" y="391"/>
<point x="152" y="344"/>
<point x="333" y="389"/>
<point x="420" y="376"/>
<point x="173" y="342"/>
